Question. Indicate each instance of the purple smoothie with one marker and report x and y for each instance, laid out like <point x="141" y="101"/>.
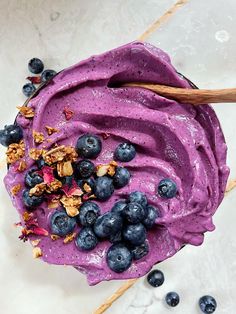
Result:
<point x="172" y="140"/>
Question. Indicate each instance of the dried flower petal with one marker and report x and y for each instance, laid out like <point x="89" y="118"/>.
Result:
<point x="34" y="79"/>
<point x="48" y="175"/>
<point x="68" y="113"/>
<point x="15" y="152"/>
<point x="37" y="252"/>
<point x="26" y="111"/>
<point x="70" y="237"/>
<point x="40" y="231"/>
<point x="72" y="190"/>
<point x="38" y="137"/>
<point x="50" y="130"/>
<point x="105" y="135"/>
<point x="15" y="189"/>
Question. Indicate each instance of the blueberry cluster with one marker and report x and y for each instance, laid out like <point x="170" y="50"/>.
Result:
<point x="10" y="134"/>
<point x="36" y="66"/>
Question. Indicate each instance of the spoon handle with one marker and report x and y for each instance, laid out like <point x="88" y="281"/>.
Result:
<point x="189" y="95"/>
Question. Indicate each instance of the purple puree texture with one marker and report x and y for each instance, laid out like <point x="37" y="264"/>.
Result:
<point x="172" y="140"/>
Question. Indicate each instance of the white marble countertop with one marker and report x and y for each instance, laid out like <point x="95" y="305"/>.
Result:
<point x="201" y="40"/>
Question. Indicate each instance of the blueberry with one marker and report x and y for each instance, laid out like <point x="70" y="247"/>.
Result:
<point x="90" y="182"/>
<point x="61" y="224"/>
<point x="67" y="180"/>
<point x="88" y="146"/>
<point x="172" y="299"/>
<point x="86" y="239"/>
<point x="140" y="251"/>
<point x="155" y="278"/>
<point x="152" y="214"/>
<point x="125" y="152"/>
<point x="88" y="213"/>
<point x="47" y="75"/>
<point x="134" y="213"/>
<point x="28" y="89"/>
<point x="108" y="224"/>
<point x="167" y="188"/>
<point x="135" y="234"/>
<point x="11" y="134"/>
<point x="115" y="238"/>
<point x="32" y="201"/>
<point x="138" y="197"/>
<point x="40" y="163"/>
<point x="121" y="177"/>
<point x="103" y="188"/>
<point x="207" y="304"/>
<point x="85" y="168"/>
<point x="32" y="178"/>
<point x="118" y="207"/>
<point x="35" y="66"/>
<point x="119" y="258"/>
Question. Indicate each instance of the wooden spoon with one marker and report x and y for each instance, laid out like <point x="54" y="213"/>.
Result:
<point x="189" y="95"/>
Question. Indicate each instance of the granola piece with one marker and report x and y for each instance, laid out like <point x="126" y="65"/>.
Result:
<point x="38" y="137"/>
<point x="35" y="242"/>
<point x="71" y="204"/>
<point x="53" y="186"/>
<point x="54" y="237"/>
<point x="87" y="188"/>
<point x="22" y="166"/>
<point x="35" y="153"/>
<point x="27" y="112"/>
<point x="53" y="203"/>
<point x="60" y="153"/>
<point x="15" y="152"/>
<point x="50" y="130"/>
<point x="15" y="189"/>
<point x="27" y="216"/>
<point x="37" y="252"/>
<point x="70" y="237"/>
<point x="102" y="170"/>
<point x="38" y="189"/>
<point x="64" y="168"/>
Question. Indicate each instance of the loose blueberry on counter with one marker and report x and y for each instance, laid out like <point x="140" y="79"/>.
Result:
<point x="134" y="213"/>
<point x="125" y="152"/>
<point x="88" y="213"/>
<point x="32" y="201"/>
<point x="172" y="299"/>
<point x="47" y="75"/>
<point x="121" y="177"/>
<point x="32" y="178"/>
<point x="28" y="89"/>
<point x="135" y="234"/>
<point x="103" y="188"/>
<point x="116" y="238"/>
<point x="85" y="168"/>
<point x="108" y="224"/>
<point x="138" y="197"/>
<point x="61" y="224"/>
<point x="119" y="207"/>
<point x="207" y="304"/>
<point x="89" y="181"/>
<point x="167" y="188"/>
<point x="35" y="66"/>
<point x="119" y="258"/>
<point x="140" y="251"/>
<point x="86" y="240"/>
<point x="11" y="134"/>
<point x="155" y="278"/>
<point x="152" y="214"/>
<point x="88" y="146"/>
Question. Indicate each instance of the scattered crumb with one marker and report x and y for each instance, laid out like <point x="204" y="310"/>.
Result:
<point x="35" y="242"/>
<point x="50" y="130"/>
<point x="22" y="166"/>
<point x="16" y="189"/>
<point x="70" y="237"/>
<point x="87" y="188"/>
<point x="54" y="237"/>
<point x="27" y="112"/>
<point x="38" y="137"/>
<point x="37" y="252"/>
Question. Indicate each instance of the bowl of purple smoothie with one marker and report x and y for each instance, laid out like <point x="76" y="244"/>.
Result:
<point x="115" y="180"/>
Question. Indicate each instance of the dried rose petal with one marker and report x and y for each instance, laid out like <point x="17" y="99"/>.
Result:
<point x="40" y="231"/>
<point x="48" y="175"/>
<point x="105" y="135"/>
<point x="68" y="113"/>
<point x="34" y="79"/>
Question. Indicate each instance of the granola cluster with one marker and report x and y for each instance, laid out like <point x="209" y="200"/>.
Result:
<point x="15" y="152"/>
